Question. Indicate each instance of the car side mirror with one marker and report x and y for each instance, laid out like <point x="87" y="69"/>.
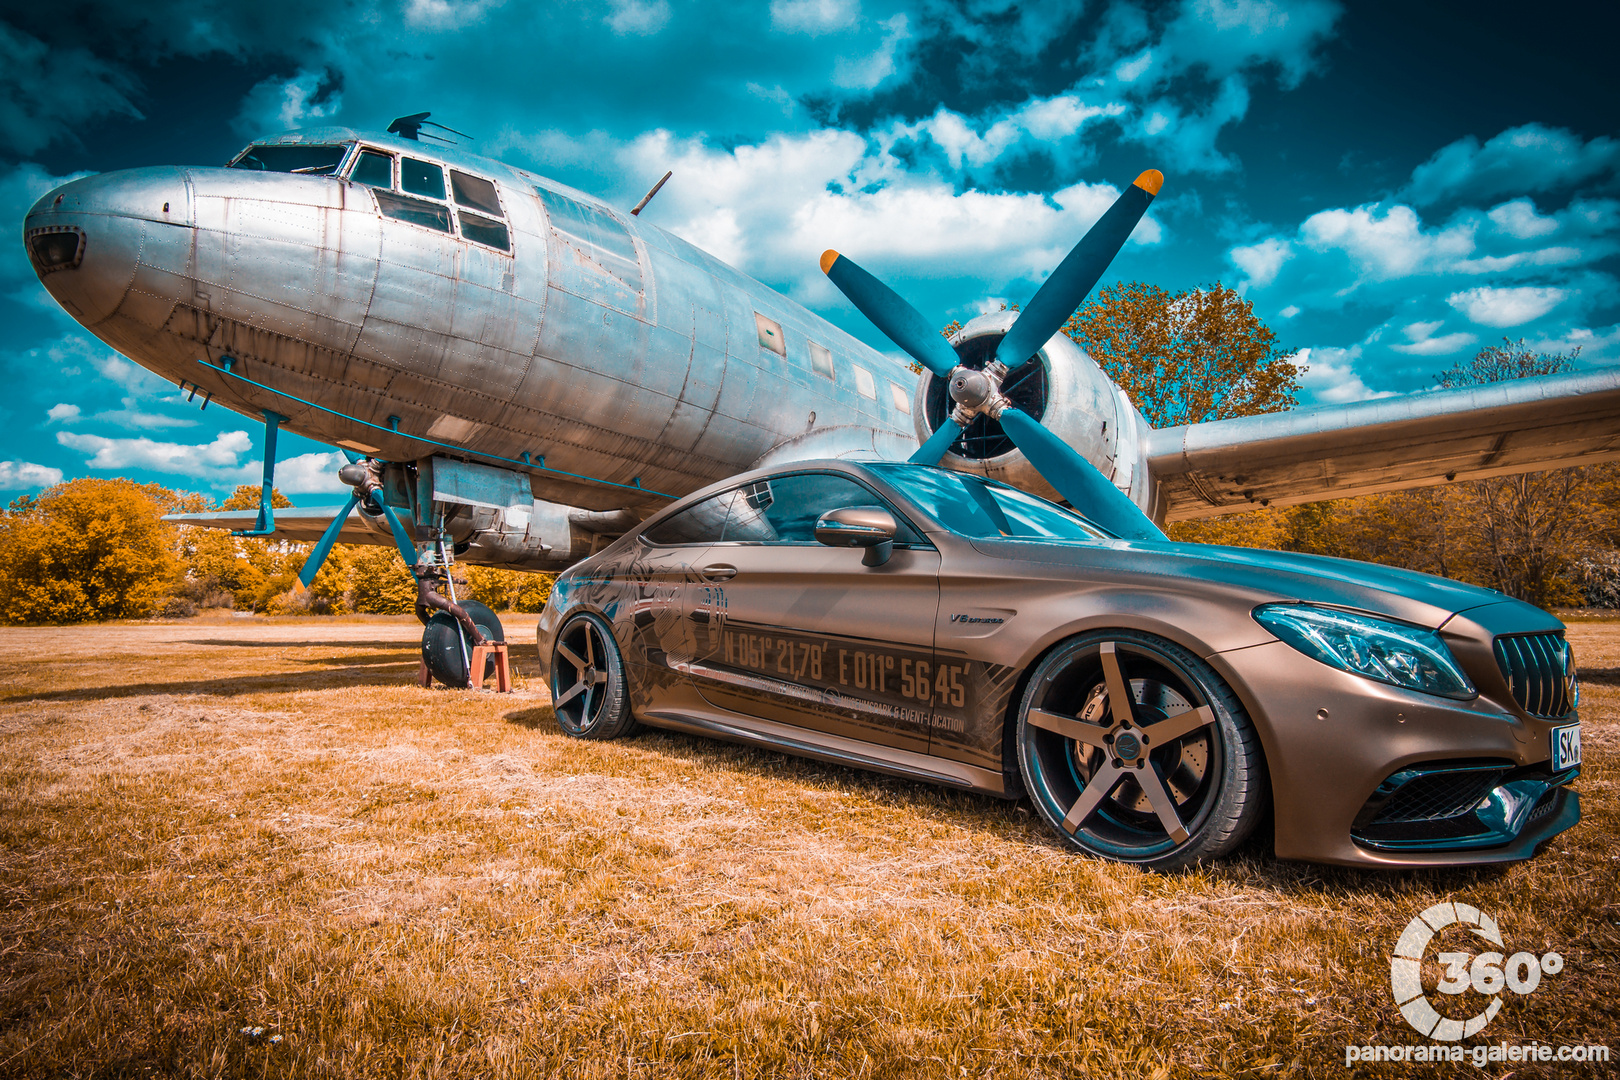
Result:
<point x="869" y="527"/>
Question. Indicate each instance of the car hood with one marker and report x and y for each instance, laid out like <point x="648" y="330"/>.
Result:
<point x="1268" y="576"/>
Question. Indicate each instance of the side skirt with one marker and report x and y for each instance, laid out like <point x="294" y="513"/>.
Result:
<point x="833" y="749"/>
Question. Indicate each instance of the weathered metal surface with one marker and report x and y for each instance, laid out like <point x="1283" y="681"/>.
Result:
<point x="1332" y="451"/>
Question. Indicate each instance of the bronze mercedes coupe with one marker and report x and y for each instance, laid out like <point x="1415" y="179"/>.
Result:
<point x="1153" y="700"/>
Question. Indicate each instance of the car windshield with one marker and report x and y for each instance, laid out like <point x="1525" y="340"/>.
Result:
<point x="978" y="507"/>
<point x="292" y="158"/>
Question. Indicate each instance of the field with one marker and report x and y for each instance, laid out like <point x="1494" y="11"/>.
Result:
<point x="255" y="848"/>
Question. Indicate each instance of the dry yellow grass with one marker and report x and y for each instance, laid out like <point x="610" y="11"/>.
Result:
<point x="234" y="824"/>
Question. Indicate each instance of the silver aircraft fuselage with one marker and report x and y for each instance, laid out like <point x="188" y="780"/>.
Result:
<point x="605" y="346"/>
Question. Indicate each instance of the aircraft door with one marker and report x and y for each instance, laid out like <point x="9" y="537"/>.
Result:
<point x="804" y="634"/>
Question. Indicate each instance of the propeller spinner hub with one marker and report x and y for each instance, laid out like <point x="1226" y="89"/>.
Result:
<point x="970" y="389"/>
<point x="354" y="474"/>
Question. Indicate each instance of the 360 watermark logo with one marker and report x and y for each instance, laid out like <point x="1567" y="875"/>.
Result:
<point x="1487" y="973"/>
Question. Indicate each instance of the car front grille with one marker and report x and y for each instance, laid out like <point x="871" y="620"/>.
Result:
<point x="1434" y="796"/>
<point x="1539" y="673"/>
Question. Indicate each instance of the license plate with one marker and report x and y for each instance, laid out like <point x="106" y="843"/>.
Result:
<point x="1566" y="747"/>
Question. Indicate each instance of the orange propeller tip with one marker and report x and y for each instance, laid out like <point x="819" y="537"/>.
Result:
<point x="1151" y="181"/>
<point x="828" y="257"/>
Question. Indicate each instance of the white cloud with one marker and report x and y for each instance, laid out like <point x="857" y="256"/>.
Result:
<point x="1420" y="340"/>
<point x="1261" y="262"/>
<point x="865" y="72"/>
<point x="1519" y="220"/>
<point x="814" y="17"/>
<point x="1531" y="157"/>
<point x="18" y="475"/>
<point x="311" y="473"/>
<point x="62" y="412"/>
<point x="1331" y="378"/>
<point x="1230" y="35"/>
<point x="1386" y="243"/>
<point x="639" y="17"/>
<point x="216" y="462"/>
<point x="1506" y="307"/>
<point x="1288" y="312"/>
<point x="278" y="104"/>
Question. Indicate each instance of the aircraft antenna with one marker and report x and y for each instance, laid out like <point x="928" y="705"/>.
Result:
<point x="410" y="127"/>
<point x="647" y="198"/>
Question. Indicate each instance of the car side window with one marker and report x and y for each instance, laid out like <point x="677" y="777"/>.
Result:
<point x="784" y="509"/>
<point x="701" y="523"/>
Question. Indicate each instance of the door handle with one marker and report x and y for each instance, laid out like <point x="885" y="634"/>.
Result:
<point x="718" y="572"/>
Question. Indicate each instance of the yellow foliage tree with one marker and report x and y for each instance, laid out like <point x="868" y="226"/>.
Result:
<point x="508" y="590"/>
<point x="379" y="583"/>
<point x="86" y="549"/>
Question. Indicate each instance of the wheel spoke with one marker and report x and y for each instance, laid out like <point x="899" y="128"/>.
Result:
<point x="590" y="642"/>
<point x="569" y="655"/>
<point x="1182" y="723"/>
<point x="585" y="707"/>
<point x="1096" y="790"/>
<point x="1119" y="693"/>
<point x="573" y="692"/>
<point x="1069" y="727"/>
<point x="1159" y="798"/>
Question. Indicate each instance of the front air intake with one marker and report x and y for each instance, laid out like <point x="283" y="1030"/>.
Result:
<point x="56" y="247"/>
<point x="1540" y="673"/>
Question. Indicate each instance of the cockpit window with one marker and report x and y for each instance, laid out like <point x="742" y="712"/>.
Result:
<point x="421" y="177"/>
<point x="485" y="231"/>
<point x="474" y="192"/>
<point x="430" y="215"/>
<point x="295" y="158"/>
<point x="373" y="169"/>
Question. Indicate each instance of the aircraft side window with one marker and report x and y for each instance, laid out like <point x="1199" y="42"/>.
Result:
<point x="701" y="523"/>
<point x="770" y="334"/>
<point x="901" y="399"/>
<point x="784" y="509"/>
<point x="484" y="231"/>
<point x="373" y="169"/>
<point x="864" y="383"/>
<point x="292" y="158"/>
<point x="430" y="215"/>
<point x="821" y="361"/>
<point x="417" y="177"/>
<point x="475" y="193"/>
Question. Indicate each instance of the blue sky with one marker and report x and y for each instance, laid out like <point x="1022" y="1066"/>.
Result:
<point x="1393" y="185"/>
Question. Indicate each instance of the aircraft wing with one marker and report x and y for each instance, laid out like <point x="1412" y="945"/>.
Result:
<point x="1333" y="451"/>
<point x="300" y="524"/>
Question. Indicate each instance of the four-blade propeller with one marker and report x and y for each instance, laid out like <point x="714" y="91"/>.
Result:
<point x="976" y="392"/>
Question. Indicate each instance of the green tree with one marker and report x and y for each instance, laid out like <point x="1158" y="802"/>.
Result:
<point x="86" y="549"/>
<point x="1186" y="357"/>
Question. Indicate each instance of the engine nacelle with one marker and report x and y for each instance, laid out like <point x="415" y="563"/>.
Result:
<point x="1061" y="387"/>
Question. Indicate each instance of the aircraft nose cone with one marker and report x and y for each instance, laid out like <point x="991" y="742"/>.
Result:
<point x="89" y="239"/>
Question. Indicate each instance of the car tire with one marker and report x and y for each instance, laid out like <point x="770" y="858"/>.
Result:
<point x="442" y="643"/>
<point x="588" y="691"/>
<point x="1176" y="779"/>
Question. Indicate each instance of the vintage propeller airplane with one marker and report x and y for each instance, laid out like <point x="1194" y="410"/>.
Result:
<point x="523" y="372"/>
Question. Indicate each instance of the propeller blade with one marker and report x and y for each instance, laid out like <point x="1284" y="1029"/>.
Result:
<point x="1066" y="289"/>
<point x="323" y="547"/>
<point x="940" y="441"/>
<point x="402" y="539"/>
<point x="891" y="313"/>
<point x="1077" y="479"/>
<point x="354" y="458"/>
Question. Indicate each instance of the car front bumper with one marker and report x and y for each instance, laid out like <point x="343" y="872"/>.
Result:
<point x="1340" y="749"/>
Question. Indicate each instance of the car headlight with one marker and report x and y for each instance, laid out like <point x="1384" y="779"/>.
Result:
<point x="1389" y="652"/>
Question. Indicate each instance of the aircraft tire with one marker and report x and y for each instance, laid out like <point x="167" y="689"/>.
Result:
<point x="441" y="643"/>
